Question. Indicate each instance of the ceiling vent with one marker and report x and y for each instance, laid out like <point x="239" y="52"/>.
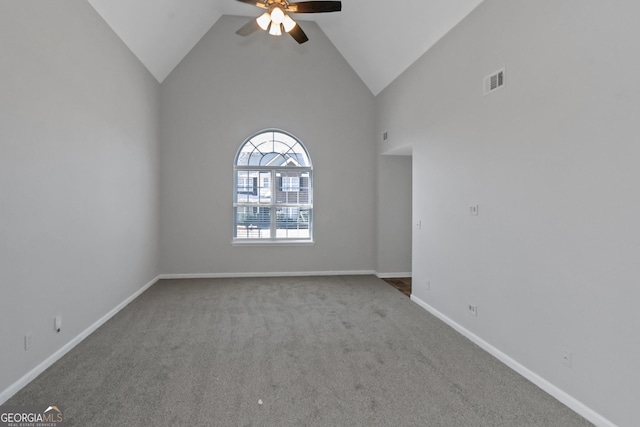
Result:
<point x="494" y="81"/>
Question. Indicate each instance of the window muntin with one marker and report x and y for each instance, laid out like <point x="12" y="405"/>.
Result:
<point x="272" y="190"/>
<point x="272" y="148"/>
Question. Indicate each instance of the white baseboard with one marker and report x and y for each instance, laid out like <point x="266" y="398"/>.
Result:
<point x="393" y="275"/>
<point x="269" y="274"/>
<point x="31" y="375"/>
<point x="545" y="385"/>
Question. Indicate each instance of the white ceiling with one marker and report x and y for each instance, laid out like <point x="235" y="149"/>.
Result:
<point x="378" y="38"/>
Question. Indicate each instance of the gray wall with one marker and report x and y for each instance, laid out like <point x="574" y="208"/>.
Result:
<point x="552" y="160"/>
<point x="78" y="176"/>
<point x="229" y="87"/>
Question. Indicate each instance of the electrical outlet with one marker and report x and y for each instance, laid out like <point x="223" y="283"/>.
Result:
<point x="473" y="310"/>
<point x="28" y="340"/>
<point x="566" y="358"/>
<point x="474" y="210"/>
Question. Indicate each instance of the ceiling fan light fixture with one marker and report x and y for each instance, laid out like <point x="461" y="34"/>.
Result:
<point x="277" y="15"/>
<point x="288" y="23"/>
<point x="275" y="29"/>
<point x="275" y="21"/>
<point x="264" y="20"/>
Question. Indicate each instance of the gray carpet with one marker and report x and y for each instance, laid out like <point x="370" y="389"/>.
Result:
<point x="316" y="351"/>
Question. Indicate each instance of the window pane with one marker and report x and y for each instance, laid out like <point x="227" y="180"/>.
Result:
<point x="293" y="223"/>
<point x="250" y="155"/>
<point x="253" y="222"/>
<point x="275" y="149"/>
<point x="292" y="187"/>
<point x="253" y="187"/>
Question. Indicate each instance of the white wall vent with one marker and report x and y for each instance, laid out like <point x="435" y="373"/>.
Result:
<point x="494" y="81"/>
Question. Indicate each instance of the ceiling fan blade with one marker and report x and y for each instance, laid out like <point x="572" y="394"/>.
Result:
<point x="298" y="34"/>
<point x="314" y="7"/>
<point x="248" y="28"/>
<point x="258" y="3"/>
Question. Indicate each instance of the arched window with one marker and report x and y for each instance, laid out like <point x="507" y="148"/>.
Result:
<point x="272" y="196"/>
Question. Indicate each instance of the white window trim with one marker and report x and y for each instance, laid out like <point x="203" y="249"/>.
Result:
<point x="273" y="205"/>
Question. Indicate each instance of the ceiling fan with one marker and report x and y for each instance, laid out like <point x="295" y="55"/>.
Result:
<point x="275" y="19"/>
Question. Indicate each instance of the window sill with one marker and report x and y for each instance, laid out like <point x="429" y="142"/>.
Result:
<point x="264" y="242"/>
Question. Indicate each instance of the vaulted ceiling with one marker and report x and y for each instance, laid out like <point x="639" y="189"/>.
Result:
<point x="379" y="39"/>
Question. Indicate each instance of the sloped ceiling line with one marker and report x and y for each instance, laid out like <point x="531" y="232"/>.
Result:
<point x="377" y="38"/>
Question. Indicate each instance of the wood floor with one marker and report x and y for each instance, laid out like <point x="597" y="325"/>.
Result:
<point x="403" y="284"/>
